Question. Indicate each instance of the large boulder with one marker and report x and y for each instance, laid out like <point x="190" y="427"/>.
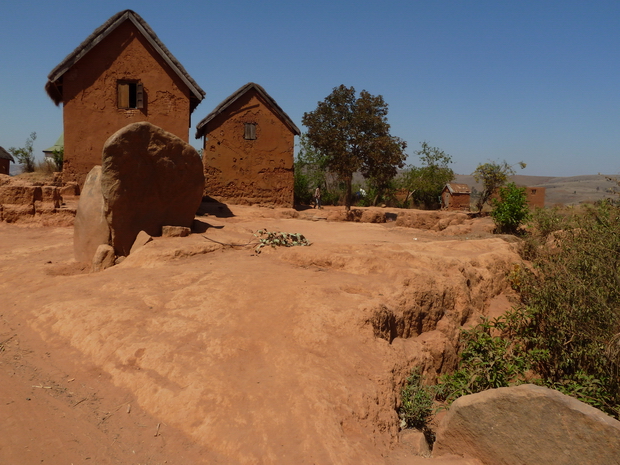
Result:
<point x="90" y="228"/>
<point x="528" y="425"/>
<point x="150" y="178"/>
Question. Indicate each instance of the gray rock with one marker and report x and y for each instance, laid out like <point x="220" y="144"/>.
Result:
<point x="528" y="425"/>
<point x="150" y="178"/>
<point x="90" y="228"/>
<point x="104" y="258"/>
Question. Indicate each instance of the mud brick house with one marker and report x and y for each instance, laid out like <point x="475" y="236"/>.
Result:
<point x="5" y="161"/>
<point x="455" y="197"/>
<point x="248" y="149"/>
<point x="535" y="197"/>
<point x="121" y="74"/>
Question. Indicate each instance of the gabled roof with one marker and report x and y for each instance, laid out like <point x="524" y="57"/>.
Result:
<point x="201" y="128"/>
<point x="458" y="188"/>
<point x="59" y="145"/>
<point x="6" y="155"/>
<point x="55" y="93"/>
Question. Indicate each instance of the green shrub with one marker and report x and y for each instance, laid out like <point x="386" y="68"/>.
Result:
<point x="571" y="308"/>
<point x="416" y="409"/>
<point x="511" y="210"/>
<point x="489" y="359"/>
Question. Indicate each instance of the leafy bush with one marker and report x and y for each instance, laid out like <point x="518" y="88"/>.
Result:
<point x="511" y="210"/>
<point x="58" y="156"/>
<point x="565" y="334"/>
<point x="571" y="309"/>
<point x="416" y="409"/>
<point x="489" y="359"/>
<point x="25" y="155"/>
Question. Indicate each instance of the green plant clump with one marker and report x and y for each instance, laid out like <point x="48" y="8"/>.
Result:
<point x="279" y="239"/>
<point x="489" y="359"/>
<point x="511" y="210"/>
<point x="416" y="409"/>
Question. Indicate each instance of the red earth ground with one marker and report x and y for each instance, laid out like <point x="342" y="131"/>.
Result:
<point x="198" y="350"/>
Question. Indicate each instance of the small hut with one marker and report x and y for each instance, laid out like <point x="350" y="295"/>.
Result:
<point x="455" y="197"/>
<point x="5" y="161"/>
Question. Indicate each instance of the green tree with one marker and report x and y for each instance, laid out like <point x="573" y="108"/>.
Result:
<point x="353" y="134"/>
<point x="25" y="155"/>
<point x="493" y="175"/>
<point x="511" y="210"/>
<point x="310" y="171"/>
<point x="424" y="184"/>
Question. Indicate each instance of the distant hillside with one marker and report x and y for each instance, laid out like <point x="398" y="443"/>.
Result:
<point x="560" y="190"/>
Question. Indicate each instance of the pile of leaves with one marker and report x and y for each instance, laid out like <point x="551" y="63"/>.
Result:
<point x="279" y="239"/>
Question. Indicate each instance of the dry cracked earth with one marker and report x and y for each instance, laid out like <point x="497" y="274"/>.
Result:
<point x="199" y="350"/>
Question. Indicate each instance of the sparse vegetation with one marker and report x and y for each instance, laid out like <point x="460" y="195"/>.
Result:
<point x="424" y="184"/>
<point x="565" y="332"/>
<point x="25" y="155"/>
<point x="58" y="156"/>
<point x="279" y="239"/>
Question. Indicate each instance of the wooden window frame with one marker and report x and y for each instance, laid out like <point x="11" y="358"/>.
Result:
<point x="249" y="132"/>
<point x="130" y="95"/>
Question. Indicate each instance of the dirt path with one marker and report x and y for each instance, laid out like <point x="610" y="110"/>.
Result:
<point x="191" y="351"/>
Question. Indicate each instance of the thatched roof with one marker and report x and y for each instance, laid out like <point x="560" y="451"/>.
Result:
<point x="455" y="188"/>
<point x="201" y="128"/>
<point x="6" y="155"/>
<point x="54" y="83"/>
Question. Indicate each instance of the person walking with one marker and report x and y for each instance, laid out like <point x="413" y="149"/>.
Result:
<point x="317" y="197"/>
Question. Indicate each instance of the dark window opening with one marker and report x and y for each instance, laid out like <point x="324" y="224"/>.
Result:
<point x="250" y="131"/>
<point x="130" y="95"/>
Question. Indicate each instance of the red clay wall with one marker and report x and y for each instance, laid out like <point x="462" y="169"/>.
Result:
<point x="251" y="172"/>
<point x="535" y="196"/>
<point x="91" y="112"/>
<point x="456" y="201"/>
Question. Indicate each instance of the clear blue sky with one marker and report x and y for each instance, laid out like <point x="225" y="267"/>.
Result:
<point x="537" y="81"/>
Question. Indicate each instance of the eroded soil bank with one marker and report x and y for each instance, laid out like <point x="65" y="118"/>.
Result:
<point x="199" y="350"/>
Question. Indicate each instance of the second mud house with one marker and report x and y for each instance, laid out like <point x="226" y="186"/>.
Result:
<point x="455" y="197"/>
<point x="121" y="74"/>
<point x="248" y="149"/>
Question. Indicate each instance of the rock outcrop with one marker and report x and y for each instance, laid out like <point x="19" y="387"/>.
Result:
<point x="150" y="178"/>
<point x="528" y="425"/>
<point x="90" y="228"/>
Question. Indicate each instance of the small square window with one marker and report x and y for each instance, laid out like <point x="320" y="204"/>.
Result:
<point x="250" y="131"/>
<point x="130" y="95"/>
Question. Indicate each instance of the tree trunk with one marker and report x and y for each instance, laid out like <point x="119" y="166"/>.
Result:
<point x="347" y="195"/>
